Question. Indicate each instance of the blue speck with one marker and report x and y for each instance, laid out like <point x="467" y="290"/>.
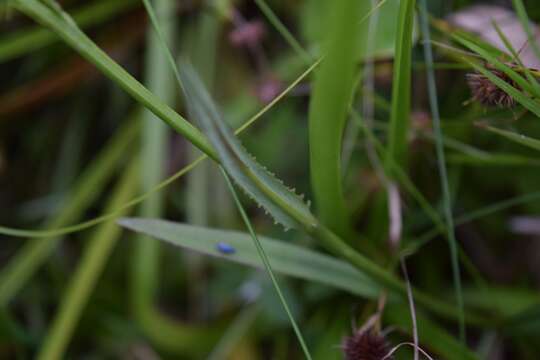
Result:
<point x="225" y="248"/>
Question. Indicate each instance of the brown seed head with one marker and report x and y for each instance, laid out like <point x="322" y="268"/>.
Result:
<point x="365" y="345"/>
<point x="487" y="93"/>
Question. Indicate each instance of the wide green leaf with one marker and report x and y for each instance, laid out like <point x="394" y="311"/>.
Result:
<point x="313" y="27"/>
<point x="285" y="258"/>
<point x="333" y="88"/>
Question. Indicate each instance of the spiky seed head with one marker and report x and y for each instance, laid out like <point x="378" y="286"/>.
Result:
<point x="487" y="93"/>
<point x="365" y="345"/>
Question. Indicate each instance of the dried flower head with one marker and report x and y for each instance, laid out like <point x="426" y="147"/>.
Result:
<point x="365" y="345"/>
<point x="487" y="93"/>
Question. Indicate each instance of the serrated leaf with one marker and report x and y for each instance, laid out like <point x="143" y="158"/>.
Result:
<point x="285" y="258"/>
<point x="283" y="204"/>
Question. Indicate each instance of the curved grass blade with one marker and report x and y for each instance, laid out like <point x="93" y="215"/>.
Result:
<point x="525" y="23"/>
<point x="332" y="94"/>
<point x="515" y="56"/>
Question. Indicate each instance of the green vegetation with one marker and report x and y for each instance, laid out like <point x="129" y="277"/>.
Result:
<point x="361" y="107"/>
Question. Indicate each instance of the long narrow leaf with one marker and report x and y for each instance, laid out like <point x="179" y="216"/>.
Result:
<point x="328" y="109"/>
<point x="446" y="196"/>
<point x="266" y="261"/>
<point x="285" y="258"/>
<point x="401" y="87"/>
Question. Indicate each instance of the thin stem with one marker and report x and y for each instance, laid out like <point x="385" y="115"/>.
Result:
<point x="266" y="263"/>
<point x="291" y="40"/>
<point x="432" y="91"/>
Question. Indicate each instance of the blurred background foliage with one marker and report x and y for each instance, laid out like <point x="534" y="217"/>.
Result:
<point x="74" y="145"/>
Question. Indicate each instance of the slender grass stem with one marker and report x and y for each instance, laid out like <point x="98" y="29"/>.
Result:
<point x="401" y="86"/>
<point x="267" y="265"/>
<point x="285" y="33"/>
<point x="432" y="92"/>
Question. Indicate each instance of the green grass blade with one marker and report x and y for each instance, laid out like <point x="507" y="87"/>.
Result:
<point x="25" y="41"/>
<point x="515" y="137"/>
<point x="503" y="205"/>
<point x="525" y="23"/>
<point x="89" y="269"/>
<point x="331" y="96"/>
<point x="447" y="202"/>
<point x="285" y="258"/>
<point x="88" y="187"/>
<point x="532" y="80"/>
<point x="520" y="81"/>
<point x="491" y="159"/>
<point x="285" y="33"/>
<point x="530" y="104"/>
<point x="71" y="34"/>
<point x="401" y="86"/>
<point x="266" y="261"/>
<point x="480" y="213"/>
